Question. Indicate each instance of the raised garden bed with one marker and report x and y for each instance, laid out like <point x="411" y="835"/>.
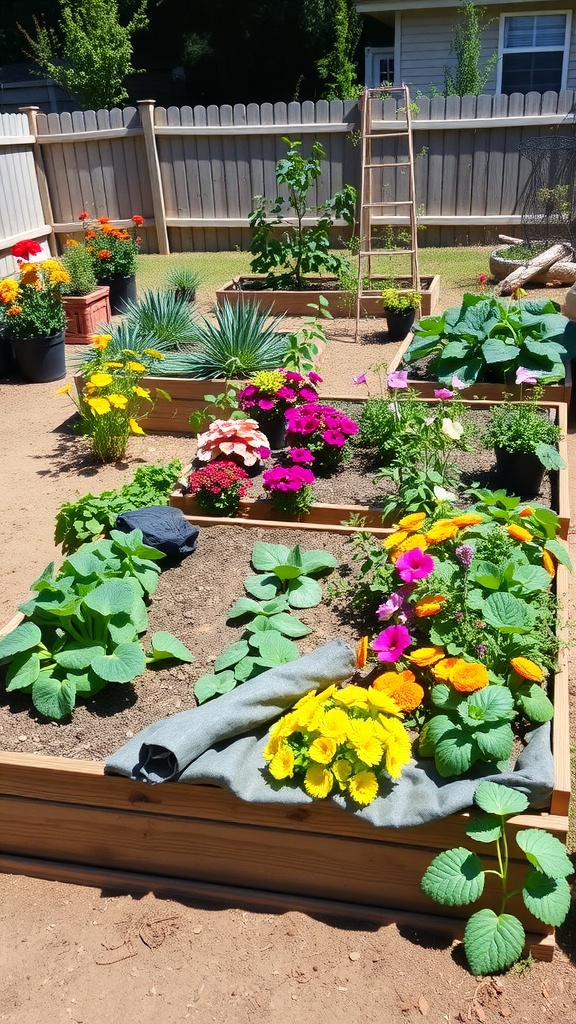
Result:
<point x="340" y="303"/>
<point x="64" y="819"/>
<point x="425" y="386"/>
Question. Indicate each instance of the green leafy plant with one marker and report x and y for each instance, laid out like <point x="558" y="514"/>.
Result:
<point x="93" y="516"/>
<point x="82" y="627"/>
<point x="184" y="281"/>
<point x="487" y="338"/>
<point x="288" y="571"/>
<point x="523" y="427"/>
<point x="493" y="941"/>
<point x="160" y="317"/>
<point x="468" y="78"/>
<point x="301" y="250"/>
<point x="470" y="729"/>
<point x="400" y="300"/>
<point x="78" y="264"/>
<point x="306" y="344"/>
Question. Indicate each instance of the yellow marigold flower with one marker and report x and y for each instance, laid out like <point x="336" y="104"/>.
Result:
<point x="360" y="730"/>
<point x="548" y="563"/>
<point x="99" y="405"/>
<point x="59" y="276"/>
<point x="363" y="787"/>
<point x="415" y="540"/>
<point x="9" y="290"/>
<point x="152" y="352"/>
<point x="352" y="696"/>
<point x="101" y="341"/>
<point x="100" y="380"/>
<point x="430" y="605"/>
<point x="397" y="755"/>
<point x="383" y="700"/>
<point x="527" y="669"/>
<point x="467" y="677"/>
<point x="29" y="273"/>
<point x="519" y="533"/>
<point x="426" y="656"/>
<point x="136" y="367"/>
<point x="335" y="725"/>
<point x="271" y="747"/>
<point x="72" y="242"/>
<point x="394" y="538"/>
<point x="285" y="726"/>
<point x="412" y="522"/>
<point x="118" y="401"/>
<point x="141" y="392"/>
<point x="114" y="366"/>
<point x="370" y="752"/>
<point x="341" y="770"/>
<point x="402" y="687"/>
<point x="467" y="519"/>
<point x="322" y="749"/>
<point x="65" y="390"/>
<point x="442" y="670"/>
<point x="526" y="512"/>
<point x="135" y="426"/>
<point x="444" y="529"/>
<point x="282" y="764"/>
<point x="318" y="781"/>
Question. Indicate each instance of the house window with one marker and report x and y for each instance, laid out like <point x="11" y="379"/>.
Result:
<point x="534" y="52"/>
<point x="379" y="66"/>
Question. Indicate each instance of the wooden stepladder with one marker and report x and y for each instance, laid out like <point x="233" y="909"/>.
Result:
<point x="387" y="169"/>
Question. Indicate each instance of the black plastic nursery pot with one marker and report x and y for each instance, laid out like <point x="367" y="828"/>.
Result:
<point x="399" y="324"/>
<point x="41" y="359"/>
<point x="122" y="291"/>
<point x="274" y="427"/>
<point x="521" y="473"/>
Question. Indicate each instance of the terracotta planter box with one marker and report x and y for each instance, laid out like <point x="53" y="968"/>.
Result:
<point x="560" y="392"/>
<point x="340" y="304"/>
<point x="85" y="314"/>
<point x="63" y="819"/>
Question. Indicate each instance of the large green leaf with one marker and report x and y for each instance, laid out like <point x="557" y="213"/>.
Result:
<point x="78" y="657"/>
<point x="122" y="629"/>
<point x="263" y="587"/>
<point x="244" y="606"/>
<point x="111" y="597"/>
<point x="84" y="564"/>
<point x="53" y="698"/>
<point x="132" y="544"/>
<point x="455" y="878"/>
<point x="231" y="656"/>
<point x="432" y="733"/>
<point x="317" y="561"/>
<point x="530" y="579"/>
<point x="165" y="646"/>
<point x="495" y="798"/>
<point x="23" y="670"/>
<point x="496" y="350"/>
<point x="125" y="663"/>
<point x="23" y="638"/>
<point x="491" y="704"/>
<point x="213" y="684"/>
<point x="289" y="625"/>
<point x="486" y="828"/>
<point x="265" y="557"/>
<point x="304" y="593"/>
<point x="545" y="852"/>
<point x="495" y="742"/>
<point x="455" y="753"/>
<point x="492" y="942"/>
<point x="534" y="702"/>
<point x="487" y="574"/>
<point x="248" y="668"/>
<point x="556" y="548"/>
<point x="549" y="456"/>
<point x="508" y="614"/>
<point x="273" y="648"/>
<point x="547" y="898"/>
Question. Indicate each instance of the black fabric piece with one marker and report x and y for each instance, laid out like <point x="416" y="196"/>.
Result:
<point x="163" y="527"/>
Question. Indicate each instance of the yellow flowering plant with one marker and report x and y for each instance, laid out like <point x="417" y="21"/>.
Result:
<point x="340" y="741"/>
<point x="112" y="395"/>
<point x="31" y="303"/>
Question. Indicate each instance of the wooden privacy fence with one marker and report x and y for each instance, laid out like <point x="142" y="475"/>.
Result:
<point x="192" y="172"/>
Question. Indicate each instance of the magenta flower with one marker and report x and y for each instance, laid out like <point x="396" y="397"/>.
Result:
<point x="288" y="394"/>
<point x="387" y="609"/>
<point x="266" y="404"/>
<point x="265" y="452"/>
<point x="524" y="376"/>
<point x="308" y="394"/>
<point x="398" y="379"/>
<point x="303" y="456"/>
<point x="335" y="437"/>
<point x="314" y="377"/>
<point x="444" y="393"/>
<point x="414" y="565"/>
<point x="391" y="643"/>
<point x="360" y="379"/>
<point x="297" y="378"/>
<point x="287" y="478"/>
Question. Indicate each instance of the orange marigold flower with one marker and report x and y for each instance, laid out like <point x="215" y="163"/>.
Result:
<point x="104" y="254"/>
<point x="402" y="688"/>
<point x="527" y="669"/>
<point x="444" y="529"/>
<point x="394" y="539"/>
<point x="414" y="540"/>
<point x="72" y="242"/>
<point x="426" y="656"/>
<point x="107" y="229"/>
<point x="103" y="220"/>
<point x="469" y="676"/>
<point x="467" y="519"/>
<point x="519" y="533"/>
<point x="83" y="216"/>
<point x="14" y="311"/>
<point x="525" y="512"/>
<point x="387" y="679"/>
<point x="412" y="522"/>
<point x="548" y="563"/>
<point x="442" y="670"/>
<point x="429" y="605"/>
<point x="362" y="652"/>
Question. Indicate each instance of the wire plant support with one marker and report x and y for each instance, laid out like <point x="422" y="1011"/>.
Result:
<point x="387" y="154"/>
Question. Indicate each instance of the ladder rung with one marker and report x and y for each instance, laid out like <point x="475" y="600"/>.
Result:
<point x="389" y="202"/>
<point x="404" y="163"/>
<point x="387" y="252"/>
<point x="385" y="135"/>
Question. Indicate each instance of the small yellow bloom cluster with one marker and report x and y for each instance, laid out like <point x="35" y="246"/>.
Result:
<point x="268" y="381"/>
<point x="340" y="739"/>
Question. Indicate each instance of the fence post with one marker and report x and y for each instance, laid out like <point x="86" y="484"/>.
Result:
<point x="146" y="108"/>
<point x="43" y="190"/>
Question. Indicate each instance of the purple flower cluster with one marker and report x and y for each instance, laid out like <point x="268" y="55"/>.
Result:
<point x="287" y="478"/>
<point x="294" y="390"/>
<point x="324" y="422"/>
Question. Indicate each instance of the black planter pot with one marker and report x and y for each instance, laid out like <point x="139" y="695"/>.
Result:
<point x="41" y="359"/>
<point x="275" y="430"/>
<point x="122" y="290"/>
<point x="521" y="473"/>
<point x="399" y="324"/>
<point x="6" y="358"/>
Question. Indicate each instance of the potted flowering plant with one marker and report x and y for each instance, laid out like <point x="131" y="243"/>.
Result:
<point x="271" y="393"/>
<point x="324" y="430"/>
<point x="234" y="439"/>
<point x="290" y="488"/>
<point x="400" y="308"/>
<point x="113" y="252"/>
<point x="218" y="487"/>
<point x="32" y="314"/>
<point x="86" y="303"/>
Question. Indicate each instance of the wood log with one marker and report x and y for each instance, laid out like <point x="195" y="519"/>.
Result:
<point x="562" y="272"/>
<point x="534" y="266"/>
<point x="511" y="239"/>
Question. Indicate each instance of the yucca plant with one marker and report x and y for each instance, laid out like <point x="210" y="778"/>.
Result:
<point x="243" y="341"/>
<point x="183" y="282"/>
<point x="163" y="315"/>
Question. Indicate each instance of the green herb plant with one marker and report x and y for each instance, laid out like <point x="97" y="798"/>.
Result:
<point x="306" y="344"/>
<point x="301" y="250"/>
<point x="400" y="300"/>
<point x="82" y="626"/>
<point x="78" y="264"/>
<point x="523" y="427"/>
<point x="494" y="940"/>
<point x="488" y="338"/>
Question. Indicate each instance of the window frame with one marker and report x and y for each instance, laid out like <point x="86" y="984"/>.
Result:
<point x="502" y="51"/>
<point x="372" y="54"/>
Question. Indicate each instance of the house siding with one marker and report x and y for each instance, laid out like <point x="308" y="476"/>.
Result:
<point x="426" y="37"/>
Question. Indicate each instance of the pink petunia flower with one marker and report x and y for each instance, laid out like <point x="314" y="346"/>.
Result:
<point x="266" y="404"/>
<point x="414" y="565"/>
<point x="314" y="377"/>
<point x="303" y="456"/>
<point x="398" y="379"/>
<point x="387" y="609"/>
<point x="391" y="643"/>
<point x="457" y="383"/>
<point x="524" y="376"/>
<point x="360" y="379"/>
<point x="444" y="394"/>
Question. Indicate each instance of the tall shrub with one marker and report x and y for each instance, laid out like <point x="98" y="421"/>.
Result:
<point x="469" y="77"/>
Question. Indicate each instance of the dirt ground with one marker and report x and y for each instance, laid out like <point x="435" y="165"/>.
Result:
<point x="86" y="955"/>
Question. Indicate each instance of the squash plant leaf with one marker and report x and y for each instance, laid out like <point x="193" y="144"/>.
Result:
<point x="54" y="698"/>
<point x="23" y="638"/>
<point x="23" y="671"/>
<point x="166" y="646"/>
<point x="492" y="942"/>
<point x="121" y="666"/>
<point x="547" y="898"/>
<point x="211" y="685"/>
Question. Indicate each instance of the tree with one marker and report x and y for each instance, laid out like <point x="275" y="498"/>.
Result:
<point x="468" y="78"/>
<point x="91" y="53"/>
<point x="333" y="28"/>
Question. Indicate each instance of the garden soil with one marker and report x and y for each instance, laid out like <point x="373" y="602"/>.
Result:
<point x="91" y="956"/>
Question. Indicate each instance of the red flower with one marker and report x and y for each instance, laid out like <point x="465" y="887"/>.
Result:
<point x="104" y="254"/>
<point x="83" y="215"/>
<point x="25" y="249"/>
<point x="137" y="220"/>
<point x="103" y="220"/>
<point x="138" y="241"/>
